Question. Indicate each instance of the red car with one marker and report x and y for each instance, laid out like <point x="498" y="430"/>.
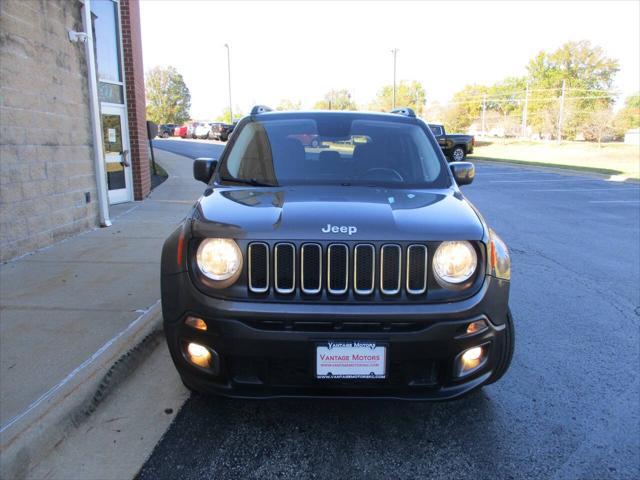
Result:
<point x="180" y="131"/>
<point x="307" y="139"/>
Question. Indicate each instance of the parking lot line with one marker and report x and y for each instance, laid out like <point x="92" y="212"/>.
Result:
<point x="606" y="189"/>
<point x="614" y="201"/>
<point x="547" y="181"/>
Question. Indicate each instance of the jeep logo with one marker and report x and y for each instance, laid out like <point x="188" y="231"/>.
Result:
<point x="349" y="229"/>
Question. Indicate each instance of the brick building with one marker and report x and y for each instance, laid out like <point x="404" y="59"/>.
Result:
<point x="72" y="118"/>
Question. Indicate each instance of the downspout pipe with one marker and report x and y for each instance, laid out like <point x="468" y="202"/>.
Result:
<point x="96" y="124"/>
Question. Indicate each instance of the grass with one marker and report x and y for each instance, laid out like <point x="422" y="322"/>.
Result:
<point x="609" y="159"/>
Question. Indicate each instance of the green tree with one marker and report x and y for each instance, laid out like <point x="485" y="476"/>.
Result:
<point x="336" y="100"/>
<point x="225" y="117"/>
<point x="168" y="98"/>
<point x="588" y="76"/>
<point x="629" y="116"/>
<point x="408" y="94"/>
<point x="465" y="108"/>
<point x="288" y="105"/>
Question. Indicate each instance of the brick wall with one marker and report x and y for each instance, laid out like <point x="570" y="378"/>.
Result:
<point x="46" y="154"/>
<point x="134" y="79"/>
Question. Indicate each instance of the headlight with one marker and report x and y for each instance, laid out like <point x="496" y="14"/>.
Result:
<point x="219" y="259"/>
<point x="454" y="262"/>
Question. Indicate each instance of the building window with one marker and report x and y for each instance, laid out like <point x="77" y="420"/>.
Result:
<point x="107" y="45"/>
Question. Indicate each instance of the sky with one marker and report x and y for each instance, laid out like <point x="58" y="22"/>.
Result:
<point x="301" y="50"/>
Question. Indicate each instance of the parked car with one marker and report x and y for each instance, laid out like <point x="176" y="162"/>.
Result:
<point x="307" y="140"/>
<point x="181" y="131"/>
<point x="165" y="130"/>
<point x="202" y="130"/>
<point x="455" y="146"/>
<point x="222" y="131"/>
<point x="356" y="271"/>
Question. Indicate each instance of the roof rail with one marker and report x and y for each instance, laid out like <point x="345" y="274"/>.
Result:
<point x="260" y="109"/>
<point x="406" y="111"/>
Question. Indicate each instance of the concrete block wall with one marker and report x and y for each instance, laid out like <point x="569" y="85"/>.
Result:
<point x="46" y="147"/>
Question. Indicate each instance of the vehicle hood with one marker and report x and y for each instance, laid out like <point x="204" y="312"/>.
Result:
<point x="310" y="212"/>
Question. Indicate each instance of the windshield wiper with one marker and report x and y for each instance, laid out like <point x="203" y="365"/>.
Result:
<point x="247" y="181"/>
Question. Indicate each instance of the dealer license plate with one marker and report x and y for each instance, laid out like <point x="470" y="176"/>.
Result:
<point x="352" y="359"/>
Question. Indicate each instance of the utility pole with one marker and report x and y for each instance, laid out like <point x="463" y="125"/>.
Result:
<point x="561" y="113"/>
<point x="484" y="109"/>
<point x="395" y="53"/>
<point x="524" y="113"/>
<point x="229" y="72"/>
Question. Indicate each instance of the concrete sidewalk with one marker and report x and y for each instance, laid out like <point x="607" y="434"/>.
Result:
<point x="70" y="310"/>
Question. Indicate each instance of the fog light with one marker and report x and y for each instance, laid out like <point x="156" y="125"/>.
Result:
<point x="475" y="327"/>
<point x="197" y="323"/>
<point x="199" y="355"/>
<point x="470" y="360"/>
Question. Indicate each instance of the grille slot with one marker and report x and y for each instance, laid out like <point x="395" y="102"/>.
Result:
<point x="390" y="269"/>
<point x="364" y="269"/>
<point x="311" y="268"/>
<point x="258" y="267"/>
<point x="337" y="269"/>
<point x="285" y="268"/>
<point x="326" y="269"/>
<point x="416" y="269"/>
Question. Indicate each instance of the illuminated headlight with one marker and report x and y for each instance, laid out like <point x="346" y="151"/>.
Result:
<point x="454" y="263"/>
<point x="219" y="259"/>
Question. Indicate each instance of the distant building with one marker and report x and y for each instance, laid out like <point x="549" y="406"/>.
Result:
<point x="632" y="137"/>
<point x="72" y="118"/>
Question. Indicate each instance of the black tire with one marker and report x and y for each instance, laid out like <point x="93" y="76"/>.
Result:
<point x="458" y="154"/>
<point x="224" y="138"/>
<point x="507" y="352"/>
<point x="165" y="135"/>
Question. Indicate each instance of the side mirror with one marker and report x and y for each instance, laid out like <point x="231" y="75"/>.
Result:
<point x="203" y="169"/>
<point x="463" y="172"/>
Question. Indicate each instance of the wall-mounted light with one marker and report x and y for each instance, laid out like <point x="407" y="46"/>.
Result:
<point x="77" y="37"/>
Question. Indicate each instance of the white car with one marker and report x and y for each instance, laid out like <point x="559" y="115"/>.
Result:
<point x="202" y="130"/>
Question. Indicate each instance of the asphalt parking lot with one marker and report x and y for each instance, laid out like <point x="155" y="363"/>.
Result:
<point x="568" y="408"/>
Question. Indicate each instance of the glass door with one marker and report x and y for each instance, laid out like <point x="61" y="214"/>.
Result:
<point x="116" y="154"/>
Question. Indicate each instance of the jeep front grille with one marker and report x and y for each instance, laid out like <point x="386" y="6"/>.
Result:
<point x="337" y="268"/>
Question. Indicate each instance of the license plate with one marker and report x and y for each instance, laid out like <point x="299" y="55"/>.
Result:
<point x="352" y="359"/>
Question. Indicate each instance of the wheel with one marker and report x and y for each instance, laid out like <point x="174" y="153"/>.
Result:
<point x="165" y="135"/>
<point x="507" y="352"/>
<point x="458" y="154"/>
<point x="224" y="138"/>
<point x="315" y="143"/>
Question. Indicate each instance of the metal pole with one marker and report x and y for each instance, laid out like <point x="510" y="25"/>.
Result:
<point x="96" y="120"/>
<point x="561" y="113"/>
<point x="395" y="52"/>
<point x="524" y="112"/>
<point x="229" y="72"/>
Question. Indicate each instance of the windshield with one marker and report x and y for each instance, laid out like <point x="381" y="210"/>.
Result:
<point x="334" y="149"/>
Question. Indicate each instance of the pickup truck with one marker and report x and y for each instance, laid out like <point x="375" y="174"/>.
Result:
<point x="222" y="131"/>
<point x="454" y="146"/>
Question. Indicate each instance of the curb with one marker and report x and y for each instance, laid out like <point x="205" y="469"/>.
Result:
<point x="558" y="170"/>
<point x="29" y="437"/>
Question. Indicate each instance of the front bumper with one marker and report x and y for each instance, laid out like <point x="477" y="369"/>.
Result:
<point x="267" y="350"/>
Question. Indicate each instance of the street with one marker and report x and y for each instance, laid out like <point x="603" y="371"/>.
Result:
<point x="568" y="407"/>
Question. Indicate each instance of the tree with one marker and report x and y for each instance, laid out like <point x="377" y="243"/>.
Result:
<point x="629" y="116"/>
<point x="465" y="108"/>
<point x="288" y="105"/>
<point x="336" y="100"/>
<point x="588" y="76"/>
<point x="599" y="124"/>
<point x="408" y="94"/>
<point x="225" y="117"/>
<point x="168" y="98"/>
